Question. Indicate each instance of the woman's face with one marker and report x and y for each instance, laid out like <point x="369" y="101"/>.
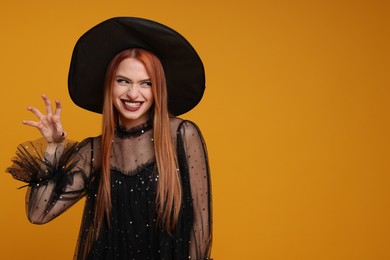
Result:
<point x="132" y="93"/>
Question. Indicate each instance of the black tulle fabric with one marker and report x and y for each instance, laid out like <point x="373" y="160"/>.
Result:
<point x="58" y="181"/>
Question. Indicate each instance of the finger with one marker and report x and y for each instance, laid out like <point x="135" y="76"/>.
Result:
<point x="36" y="112"/>
<point x="49" y="110"/>
<point x="55" y="120"/>
<point x="58" y="110"/>
<point x="31" y="123"/>
<point x="59" y="131"/>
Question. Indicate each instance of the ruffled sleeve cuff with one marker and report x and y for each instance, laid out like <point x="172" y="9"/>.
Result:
<point x="33" y="166"/>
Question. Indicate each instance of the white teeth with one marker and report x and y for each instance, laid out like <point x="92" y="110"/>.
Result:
<point x="132" y="104"/>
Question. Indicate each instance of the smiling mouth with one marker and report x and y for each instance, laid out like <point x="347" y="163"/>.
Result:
<point x="131" y="106"/>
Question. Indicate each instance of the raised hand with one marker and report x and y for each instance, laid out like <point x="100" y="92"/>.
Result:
<point x="49" y="125"/>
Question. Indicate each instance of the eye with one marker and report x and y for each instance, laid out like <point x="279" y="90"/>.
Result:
<point x="121" y="81"/>
<point x="146" y="84"/>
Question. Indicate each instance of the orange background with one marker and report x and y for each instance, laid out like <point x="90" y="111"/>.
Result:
<point x="295" y="115"/>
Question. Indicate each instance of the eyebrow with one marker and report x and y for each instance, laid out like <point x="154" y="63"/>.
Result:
<point x="126" y="78"/>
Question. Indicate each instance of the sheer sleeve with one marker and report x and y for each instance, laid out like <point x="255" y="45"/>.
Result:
<point x="55" y="181"/>
<point x="200" y="188"/>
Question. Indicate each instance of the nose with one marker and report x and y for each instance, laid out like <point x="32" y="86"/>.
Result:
<point x="132" y="92"/>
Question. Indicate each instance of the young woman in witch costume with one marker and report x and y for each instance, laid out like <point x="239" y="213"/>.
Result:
<point x="146" y="178"/>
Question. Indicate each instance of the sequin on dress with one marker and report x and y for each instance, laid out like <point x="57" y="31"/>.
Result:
<point x="58" y="181"/>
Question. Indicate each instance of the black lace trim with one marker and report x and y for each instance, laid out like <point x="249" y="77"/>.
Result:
<point x="136" y="131"/>
<point x="148" y="166"/>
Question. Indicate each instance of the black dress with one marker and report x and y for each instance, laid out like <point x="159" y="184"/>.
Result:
<point x="58" y="181"/>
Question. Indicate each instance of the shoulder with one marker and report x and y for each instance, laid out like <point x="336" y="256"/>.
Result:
<point x="95" y="143"/>
<point x="174" y="123"/>
<point x="185" y="130"/>
<point x="182" y="126"/>
<point x="95" y="138"/>
<point x="89" y="145"/>
<point x="89" y="141"/>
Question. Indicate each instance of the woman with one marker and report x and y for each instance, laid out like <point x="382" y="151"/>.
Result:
<point x="146" y="178"/>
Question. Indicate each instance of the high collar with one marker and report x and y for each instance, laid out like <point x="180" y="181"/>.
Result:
<point x="138" y="130"/>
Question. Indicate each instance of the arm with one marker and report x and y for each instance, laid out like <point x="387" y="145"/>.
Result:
<point x="56" y="184"/>
<point x="55" y="170"/>
<point x="199" y="177"/>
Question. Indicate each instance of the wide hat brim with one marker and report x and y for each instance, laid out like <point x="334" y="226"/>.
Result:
<point x="94" y="50"/>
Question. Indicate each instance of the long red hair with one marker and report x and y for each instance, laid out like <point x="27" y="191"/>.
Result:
<point x="168" y="199"/>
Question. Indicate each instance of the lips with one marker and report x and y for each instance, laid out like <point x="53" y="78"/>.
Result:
<point x="131" y="106"/>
